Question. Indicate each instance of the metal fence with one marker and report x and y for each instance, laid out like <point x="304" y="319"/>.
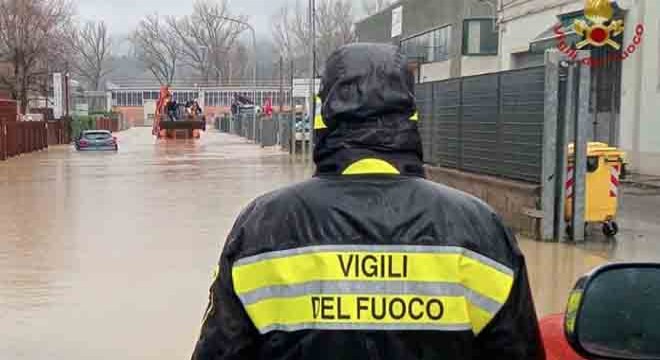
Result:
<point x="488" y="124"/>
<point x="270" y="131"/>
<point x="285" y="131"/>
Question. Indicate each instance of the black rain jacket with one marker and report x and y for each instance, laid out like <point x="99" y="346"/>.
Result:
<point x="368" y="260"/>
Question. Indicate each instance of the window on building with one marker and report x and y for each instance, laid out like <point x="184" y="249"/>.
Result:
<point x="150" y="95"/>
<point x="480" y="37"/>
<point x="432" y="46"/>
<point x="128" y="98"/>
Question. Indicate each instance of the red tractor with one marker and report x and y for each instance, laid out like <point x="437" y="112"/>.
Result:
<point x="177" y="121"/>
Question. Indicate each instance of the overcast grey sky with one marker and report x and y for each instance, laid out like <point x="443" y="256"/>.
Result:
<point x="123" y="15"/>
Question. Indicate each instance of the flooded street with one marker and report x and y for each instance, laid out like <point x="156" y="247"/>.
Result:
<point x="109" y="256"/>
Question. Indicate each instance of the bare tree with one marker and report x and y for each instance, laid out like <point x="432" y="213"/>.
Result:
<point x="92" y="47"/>
<point x="292" y="35"/>
<point x="283" y="35"/>
<point x="371" y="7"/>
<point x="30" y="33"/>
<point x="157" y="47"/>
<point x="238" y="65"/>
<point x="206" y="37"/>
<point x="335" y="21"/>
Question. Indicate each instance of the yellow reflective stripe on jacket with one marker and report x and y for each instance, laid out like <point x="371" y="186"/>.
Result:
<point x="415" y="117"/>
<point x="408" y="312"/>
<point x="482" y="284"/>
<point x="448" y="267"/>
<point x="319" y="123"/>
<point x="371" y="166"/>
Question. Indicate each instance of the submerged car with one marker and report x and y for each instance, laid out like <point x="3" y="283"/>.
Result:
<point x="96" y="140"/>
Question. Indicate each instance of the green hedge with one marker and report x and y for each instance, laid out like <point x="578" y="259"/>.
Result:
<point x="80" y="124"/>
<point x="109" y="114"/>
<point x="84" y="123"/>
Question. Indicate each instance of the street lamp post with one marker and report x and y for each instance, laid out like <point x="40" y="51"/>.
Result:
<point x="254" y="73"/>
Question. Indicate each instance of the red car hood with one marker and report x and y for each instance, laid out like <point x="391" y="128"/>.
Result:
<point x="554" y="340"/>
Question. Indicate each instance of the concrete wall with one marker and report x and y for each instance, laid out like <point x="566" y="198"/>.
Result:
<point x="376" y="28"/>
<point x="508" y="198"/>
<point x="436" y="71"/>
<point x="133" y="115"/>
<point x="476" y="65"/>
<point x="471" y="65"/>
<point x="640" y="108"/>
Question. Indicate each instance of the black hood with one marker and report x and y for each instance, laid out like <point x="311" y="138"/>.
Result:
<point x="368" y="100"/>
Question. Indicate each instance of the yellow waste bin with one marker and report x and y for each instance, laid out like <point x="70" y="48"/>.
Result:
<point x="605" y="166"/>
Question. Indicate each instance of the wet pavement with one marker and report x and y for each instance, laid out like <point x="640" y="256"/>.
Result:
<point x="109" y="256"/>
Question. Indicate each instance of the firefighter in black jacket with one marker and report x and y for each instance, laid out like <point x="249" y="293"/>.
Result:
<point x="368" y="260"/>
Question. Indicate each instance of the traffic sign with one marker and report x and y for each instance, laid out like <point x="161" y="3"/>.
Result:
<point x="301" y="87"/>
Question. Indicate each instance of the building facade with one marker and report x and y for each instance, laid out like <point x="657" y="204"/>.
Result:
<point x="626" y="94"/>
<point x="442" y="38"/>
<point x="449" y="38"/>
<point x="639" y="133"/>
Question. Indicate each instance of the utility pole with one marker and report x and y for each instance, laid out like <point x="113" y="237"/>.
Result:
<point x="66" y="90"/>
<point x="312" y="78"/>
<point x="281" y="84"/>
<point x="292" y="109"/>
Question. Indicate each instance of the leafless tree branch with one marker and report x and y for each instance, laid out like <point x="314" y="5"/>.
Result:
<point x="30" y="39"/>
<point x="206" y="38"/>
<point x="91" y="44"/>
<point x="292" y="35"/>
<point x="371" y="7"/>
<point x="156" y="46"/>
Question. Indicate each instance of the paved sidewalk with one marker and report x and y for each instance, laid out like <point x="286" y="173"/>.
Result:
<point x="642" y="181"/>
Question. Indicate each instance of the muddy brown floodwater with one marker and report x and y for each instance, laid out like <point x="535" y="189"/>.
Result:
<point x="109" y="256"/>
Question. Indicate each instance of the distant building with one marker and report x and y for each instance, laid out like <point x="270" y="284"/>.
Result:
<point x="138" y="104"/>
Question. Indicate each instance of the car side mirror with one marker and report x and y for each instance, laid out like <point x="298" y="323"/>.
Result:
<point x="614" y="313"/>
